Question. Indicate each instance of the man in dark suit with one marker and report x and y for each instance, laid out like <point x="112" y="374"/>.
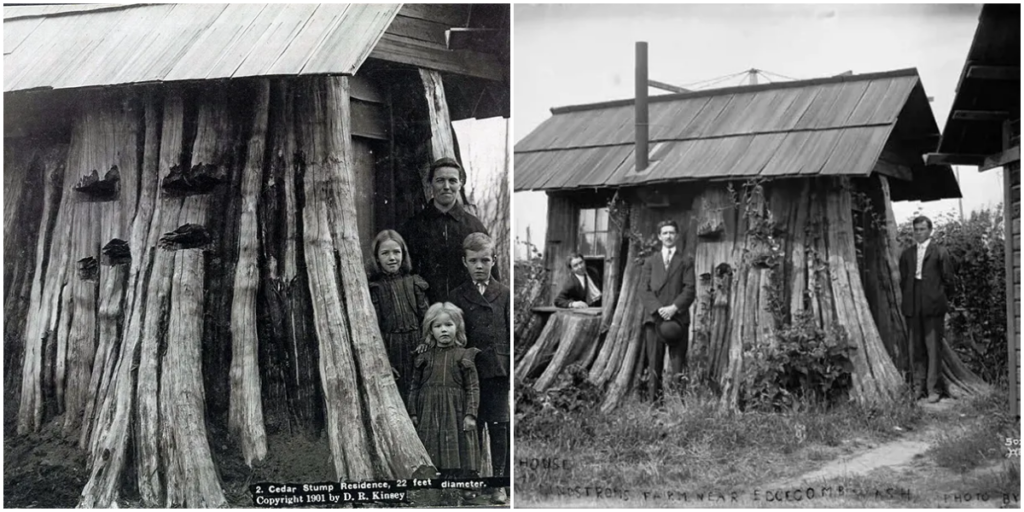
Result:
<point x="485" y="305"/>
<point x="580" y="289"/>
<point x="926" y="274"/>
<point x="667" y="288"/>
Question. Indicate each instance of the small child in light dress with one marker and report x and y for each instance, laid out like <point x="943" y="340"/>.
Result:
<point x="445" y="393"/>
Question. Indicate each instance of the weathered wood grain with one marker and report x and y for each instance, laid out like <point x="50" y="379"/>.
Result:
<point x="539" y="354"/>
<point x="578" y="333"/>
<point x="116" y="398"/>
<point x="874" y="377"/>
<point x="246" y="408"/>
<point x="393" y="437"/>
<point x="442" y="140"/>
<point x="188" y="470"/>
<point x="349" y="440"/>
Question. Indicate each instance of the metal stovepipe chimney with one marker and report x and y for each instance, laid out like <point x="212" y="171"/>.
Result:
<point x="641" y="106"/>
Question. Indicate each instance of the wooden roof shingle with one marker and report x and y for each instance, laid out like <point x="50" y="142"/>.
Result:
<point x="833" y="126"/>
<point x="63" y="47"/>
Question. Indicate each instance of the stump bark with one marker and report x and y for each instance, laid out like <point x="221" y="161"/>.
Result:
<point x="193" y="305"/>
<point x="540" y="353"/>
<point x="761" y="259"/>
<point x="246" y="406"/>
<point x="625" y="326"/>
<point x="574" y="333"/>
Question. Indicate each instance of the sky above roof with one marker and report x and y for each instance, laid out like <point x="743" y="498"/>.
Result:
<point x="573" y="54"/>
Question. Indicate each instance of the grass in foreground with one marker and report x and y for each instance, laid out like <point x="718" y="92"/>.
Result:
<point x="977" y="434"/>
<point x="694" y="456"/>
<point x="687" y="447"/>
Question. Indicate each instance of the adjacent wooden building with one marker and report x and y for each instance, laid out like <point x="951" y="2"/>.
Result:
<point x="983" y="130"/>
<point x="783" y="192"/>
<point x="189" y="196"/>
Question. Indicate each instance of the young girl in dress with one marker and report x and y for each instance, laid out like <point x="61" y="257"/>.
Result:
<point x="445" y="393"/>
<point x="400" y="299"/>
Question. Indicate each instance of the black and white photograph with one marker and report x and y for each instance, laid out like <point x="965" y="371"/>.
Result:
<point x="767" y="256"/>
<point x="257" y="255"/>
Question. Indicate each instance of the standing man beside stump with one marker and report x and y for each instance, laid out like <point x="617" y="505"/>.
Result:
<point x="926" y="275"/>
<point x="667" y="289"/>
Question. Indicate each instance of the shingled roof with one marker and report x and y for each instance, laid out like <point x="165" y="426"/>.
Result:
<point x="64" y="47"/>
<point x="988" y="92"/>
<point x="830" y="126"/>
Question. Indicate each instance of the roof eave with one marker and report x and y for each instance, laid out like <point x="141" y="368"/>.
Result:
<point x="738" y="89"/>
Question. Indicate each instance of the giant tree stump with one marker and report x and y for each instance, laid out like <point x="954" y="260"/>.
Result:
<point x="192" y="314"/>
<point x="787" y="246"/>
<point x="576" y="334"/>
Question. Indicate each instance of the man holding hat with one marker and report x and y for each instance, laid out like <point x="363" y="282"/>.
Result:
<point x="667" y="288"/>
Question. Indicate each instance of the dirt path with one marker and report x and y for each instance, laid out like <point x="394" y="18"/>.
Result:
<point x="904" y="464"/>
<point x="896" y="455"/>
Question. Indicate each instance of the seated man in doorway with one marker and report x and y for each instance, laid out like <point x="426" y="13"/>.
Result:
<point x="580" y="289"/>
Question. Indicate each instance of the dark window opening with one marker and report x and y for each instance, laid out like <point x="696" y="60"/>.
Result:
<point x="593" y="241"/>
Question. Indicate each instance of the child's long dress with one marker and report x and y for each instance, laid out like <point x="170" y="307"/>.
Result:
<point x="445" y="389"/>
<point x="400" y="301"/>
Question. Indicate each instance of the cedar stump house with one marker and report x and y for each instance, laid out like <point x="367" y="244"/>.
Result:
<point x="190" y="192"/>
<point x="783" y="194"/>
<point x="983" y="130"/>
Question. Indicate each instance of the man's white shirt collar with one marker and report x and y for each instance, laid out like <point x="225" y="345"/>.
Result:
<point x="922" y="248"/>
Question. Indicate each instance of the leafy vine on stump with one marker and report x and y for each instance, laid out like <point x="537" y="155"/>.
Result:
<point x="618" y="213"/>
<point x="805" y="363"/>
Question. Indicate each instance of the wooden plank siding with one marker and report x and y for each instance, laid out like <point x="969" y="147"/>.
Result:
<point x="1011" y="187"/>
<point x="369" y="120"/>
<point x="416" y="37"/>
<point x="560" y="243"/>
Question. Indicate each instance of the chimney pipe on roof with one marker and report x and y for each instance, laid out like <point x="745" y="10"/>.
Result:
<point x="641" y="106"/>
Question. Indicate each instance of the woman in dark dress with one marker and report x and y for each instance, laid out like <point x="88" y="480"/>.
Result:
<point x="436" y="233"/>
<point x="400" y="299"/>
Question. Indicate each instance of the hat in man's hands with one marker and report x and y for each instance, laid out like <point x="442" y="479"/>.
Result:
<point x="671" y="331"/>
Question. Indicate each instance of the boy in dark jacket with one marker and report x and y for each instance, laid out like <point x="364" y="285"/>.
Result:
<point x="485" y="302"/>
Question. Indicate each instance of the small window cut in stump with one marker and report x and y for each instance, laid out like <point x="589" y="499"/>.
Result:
<point x="117" y="252"/>
<point x="100" y="189"/>
<point x="88" y="269"/>
<point x="200" y="179"/>
<point x="189" y="236"/>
